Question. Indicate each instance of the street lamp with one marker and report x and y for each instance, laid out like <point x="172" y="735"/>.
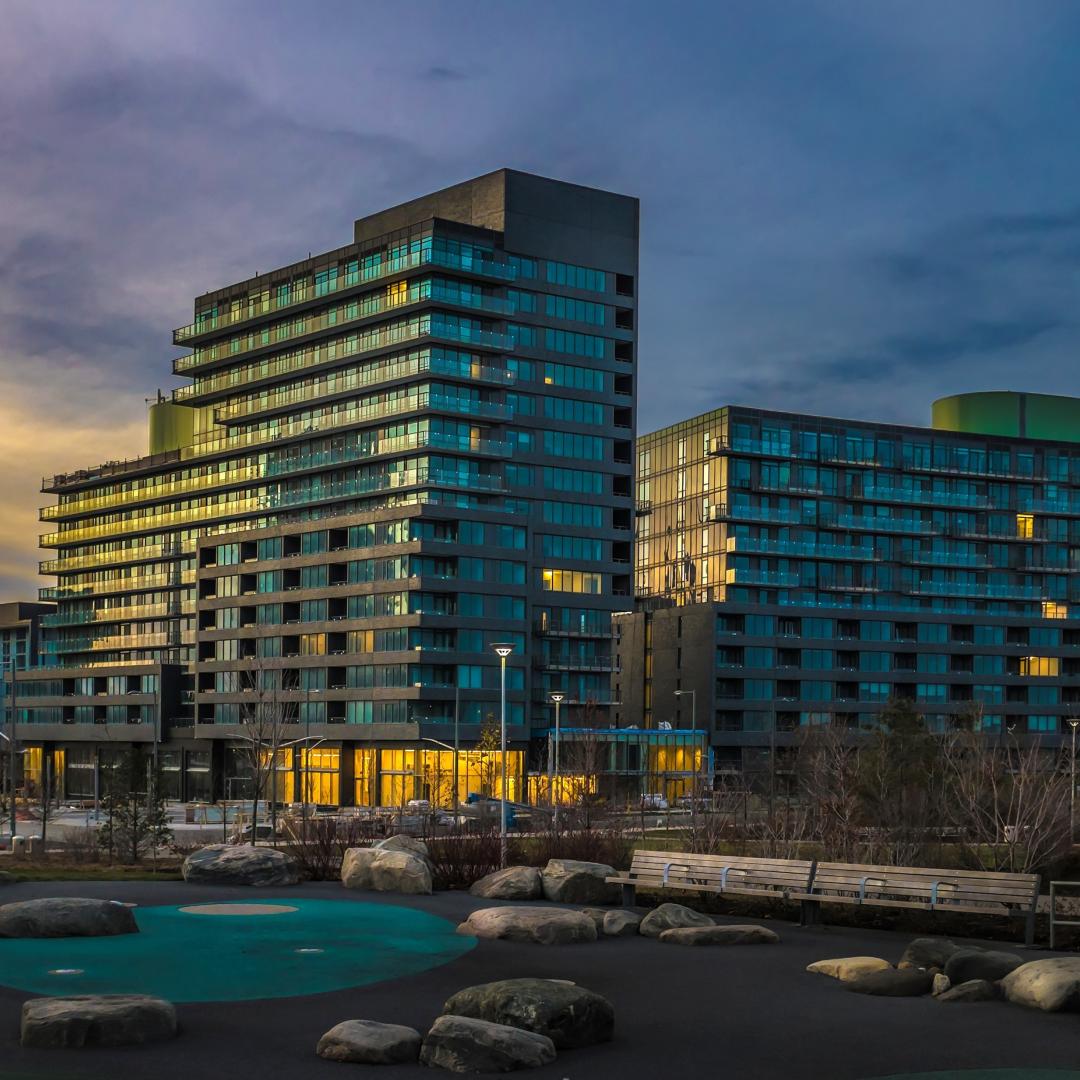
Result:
<point x="502" y="649"/>
<point x="692" y="695"/>
<point x="556" y="700"/>
<point x="1072" y="784"/>
<point x="10" y="736"/>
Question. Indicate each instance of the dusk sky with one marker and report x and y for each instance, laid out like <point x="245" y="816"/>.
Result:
<point x="847" y="207"/>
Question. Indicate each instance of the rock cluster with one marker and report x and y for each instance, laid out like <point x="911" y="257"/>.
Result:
<point x="496" y="1027"/>
<point x="398" y="864"/>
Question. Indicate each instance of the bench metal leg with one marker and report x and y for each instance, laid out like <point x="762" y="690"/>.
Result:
<point x="809" y="912"/>
<point x="1029" y="929"/>
<point x="629" y="895"/>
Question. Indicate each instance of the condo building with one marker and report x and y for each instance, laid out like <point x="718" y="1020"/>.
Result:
<point x="383" y="460"/>
<point x="794" y="569"/>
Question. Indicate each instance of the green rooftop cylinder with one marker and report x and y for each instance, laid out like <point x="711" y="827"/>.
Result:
<point x="1010" y="414"/>
<point x="172" y="426"/>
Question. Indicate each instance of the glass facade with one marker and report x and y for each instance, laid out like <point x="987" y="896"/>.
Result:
<point x="474" y="378"/>
<point x="846" y="562"/>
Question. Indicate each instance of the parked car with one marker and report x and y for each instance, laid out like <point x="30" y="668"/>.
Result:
<point x="654" y="801"/>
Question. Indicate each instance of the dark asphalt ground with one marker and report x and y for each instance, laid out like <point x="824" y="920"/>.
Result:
<point x="741" y="1013"/>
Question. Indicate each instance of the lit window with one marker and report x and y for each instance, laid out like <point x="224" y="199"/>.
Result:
<point x="1053" y="610"/>
<point x="1025" y="526"/>
<point x="1039" y="665"/>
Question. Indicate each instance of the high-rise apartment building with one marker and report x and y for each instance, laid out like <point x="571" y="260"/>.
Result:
<point x="386" y="458"/>
<point x="794" y="568"/>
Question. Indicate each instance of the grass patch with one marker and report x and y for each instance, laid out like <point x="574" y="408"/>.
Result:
<point x="84" y="872"/>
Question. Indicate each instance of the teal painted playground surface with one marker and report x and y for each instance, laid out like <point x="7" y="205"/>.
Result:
<point x="309" y="947"/>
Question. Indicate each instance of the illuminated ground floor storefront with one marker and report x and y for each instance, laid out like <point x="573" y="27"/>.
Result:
<point x="595" y="765"/>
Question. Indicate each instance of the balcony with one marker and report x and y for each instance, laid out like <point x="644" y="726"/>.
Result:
<point x="773" y="578"/>
<point x="882" y="493"/>
<point x="975" y="590"/>
<point x="799" y="549"/>
<point x="909" y="526"/>
<point x="724" y="512"/>
<point x="361" y="276"/>
<point x="308" y="359"/>
<point x="306" y="326"/>
<point x="339" y="383"/>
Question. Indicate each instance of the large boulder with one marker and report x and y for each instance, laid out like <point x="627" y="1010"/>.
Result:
<point x="543" y="925"/>
<point x="846" y="968"/>
<point x="671" y="917"/>
<point x="513" y="883"/>
<point x="66" y="916"/>
<point x="892" y="982"/>
<point x="463" y="1044"/>
<point x="928" y="952"/>
<point x="568" y="1015"/>
<point x="400" y="872"/>
<point x="967" y="964"/>
<point x="570" y="881"/>
<point x="386" y="870"/>
<point x="366" y="1042"/>
<point x="241" y="864"/>
<point x="1051" y="985"/>
<point x="733" y="934"/>
<point x="110" y="1020"/>
<point x="972" y="990"/>
<point x="401" y="842"/>
<point x="621" y="923"/>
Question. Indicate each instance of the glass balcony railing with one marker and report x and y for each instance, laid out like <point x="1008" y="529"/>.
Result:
<point x="269" y="303"/>
<point x="309" y="359"/>
<point x="337" y="319"/>
<point x="738" y="576"/>
<point x="724" y="512"/>
<point x="800" y="549"/>
<point x="156" y="492"/>
<point x="884" y="493"/>
<point x="879" y="524"/>
<point x="117" y="586"/>
<point x="117" y="614"/>
<point x="942" y="558"/>
<point x="976" y="590"/>
<point x="138" y="553"/>
<point x="357" y="379"/>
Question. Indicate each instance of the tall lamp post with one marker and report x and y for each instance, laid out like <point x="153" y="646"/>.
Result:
<point x="10" y="736"/>
<point x="556" y="700"/>
<point x="502" y="649"/>
<point x="1072" y="783"/>
<point x="692" y="695"/>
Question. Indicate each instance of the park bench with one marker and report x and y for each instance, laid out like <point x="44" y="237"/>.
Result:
<point x="721" y="874"/>
<point x="973" y="892"/>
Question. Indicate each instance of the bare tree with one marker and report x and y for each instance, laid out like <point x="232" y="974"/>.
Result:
<point x="1009" y="806"/>
<point x="267" y="718"/>
<point x="827" y="768"/>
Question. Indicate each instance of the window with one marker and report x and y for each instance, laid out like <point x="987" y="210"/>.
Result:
<point x="575" y="277"/>
<point x="576" y="581"/>
<point x="1039" y="665"/>
<point x="581" y="514"/>
<point x="572" y="547"/>
<point x="1025" y="526"/>
<point x="570" y="409"/>
<point x="564" y="341"/>
<point x="578" y="480"/>
<point x="567" y="444"/>
<point x="578" y="378"/>
<point x="931" y="692"/>
<point x="566" y="307"/>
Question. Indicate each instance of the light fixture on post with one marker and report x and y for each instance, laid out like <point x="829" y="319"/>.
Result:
<point x="502" y="649"/>
<point x="556" y="700"/>
<point x="692" y="695"/>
